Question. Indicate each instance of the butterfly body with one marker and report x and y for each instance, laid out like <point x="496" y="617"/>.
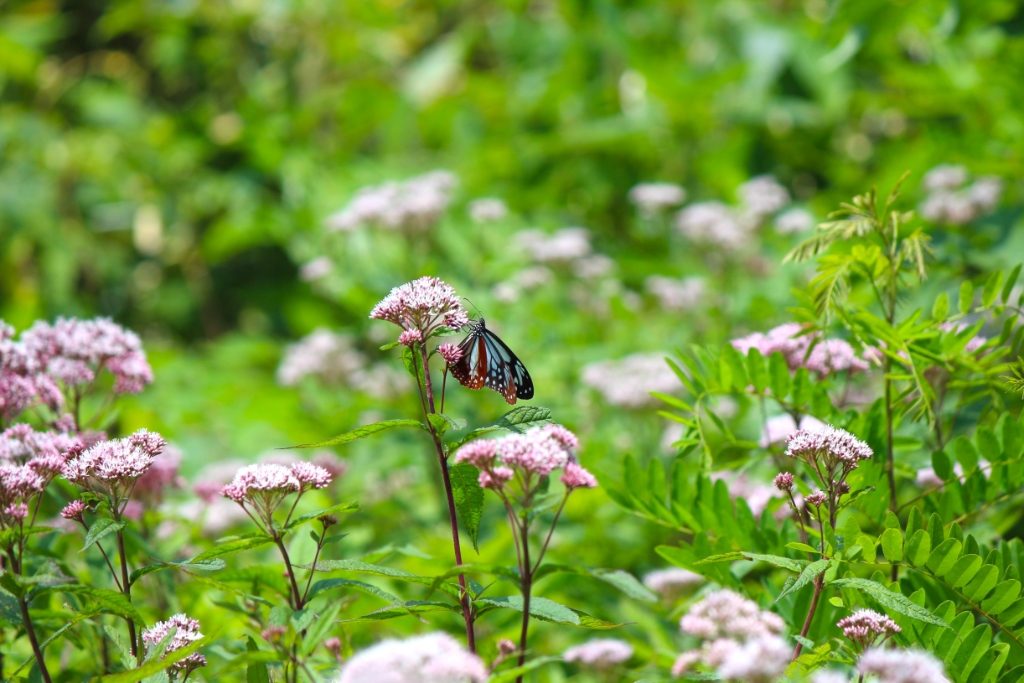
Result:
<point x="487" y="360"/>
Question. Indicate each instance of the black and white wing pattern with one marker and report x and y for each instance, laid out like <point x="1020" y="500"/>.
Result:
<point x="486" y="360"/>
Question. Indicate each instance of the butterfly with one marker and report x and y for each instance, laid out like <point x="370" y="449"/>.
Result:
<point x="488" y="360"/>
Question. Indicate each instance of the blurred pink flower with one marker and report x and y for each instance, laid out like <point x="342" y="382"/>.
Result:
<point x="430" y="658"/>
<point x="901" y="666"/>
<point x="600" y="653"/>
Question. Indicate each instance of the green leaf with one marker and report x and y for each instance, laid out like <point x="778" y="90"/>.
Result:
<point x="777" y="560"/>
<point x="100" y="600"/>
<point x="625" y="582"/>
<point x="542" y="608"/>
<point x="366" y="568"/>
<point x="940" y="309"/>
<point x="153" y="667"/>
<point x="917" y="549"/>
<point x="892" y="545"/>
<point x="257" y="671"/>
<point x="330" y="510"/>
<point x="966" y="297"/>
<point x="809" y="573"/>
<point x="1011" y="280"/>
<point x="803" y="547"/>
<point x="509" y="675"/>
<point x="890" y="600"/>
<point x="101" y="528"/>
<point x="963" y="570"/>
<point x="942" y="558"/>
<point x="990" y="290"/>
<point x="469" y="499"/>
<point x="232" y="545"/>
<point x="521" y="418"/>
<point x="210" y="565"/>
<point x="360" y="433"/>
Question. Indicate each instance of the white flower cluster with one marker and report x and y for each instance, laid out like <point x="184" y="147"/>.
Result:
<point x="628" y="382"/>
<point x="950" y="199"/>
<point x="740" y="640"/>
<point x="413" y="205"/>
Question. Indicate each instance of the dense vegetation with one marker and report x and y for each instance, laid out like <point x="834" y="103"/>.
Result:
<point x="707" y="229"/>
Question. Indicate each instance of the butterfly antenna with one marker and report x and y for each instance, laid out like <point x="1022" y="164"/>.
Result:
<point x="479" y="313"/>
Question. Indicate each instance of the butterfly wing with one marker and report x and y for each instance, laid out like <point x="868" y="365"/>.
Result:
<point x="487" y="360"/>
<point x="471" y="368"/>
<point x="506" y="373"/>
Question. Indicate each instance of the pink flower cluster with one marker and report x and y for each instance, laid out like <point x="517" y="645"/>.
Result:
<point x="273" y="481"/>
<point x="628" y="382"/>
<point x="334" y="359"/>
<point x="161" y="475"/>
<point x="601" y="654"/>
<point x="804" y="349"/>
<point x="451" y="353"/>
<point x="413" y="205"/>
<point x="29" y="460"/>
<point x="726" y="614"/>
<point x="538" y="451"/>
<point x="430" y="658"/>
<point x="654" y="198"/>
<point x="741" y="641"/>
<point x="73" y="352"/>
<point x="901" y="666"/>
<point x="864" y="627"/>
<point x="951" y="200"/>
<point x="673" y="582"/>
<point x="421" y="307"/>
<point x="23" y="383"/>
<point x="186" y="631"/>
<point x="112" y="467"/>
<point x="830" y="445"/>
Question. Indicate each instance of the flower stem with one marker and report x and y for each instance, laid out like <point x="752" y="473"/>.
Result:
<point x="26" y="618"/>
<point x="126" y="588"/>
<point x="526" y="585"/>
<point x="296" y="597"/>
<point x="467" y="611"/>
<point x="819" y="585"/>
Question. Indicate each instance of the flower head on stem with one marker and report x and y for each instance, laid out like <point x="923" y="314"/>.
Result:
<point x="185" y="631"/>
<point x="421" y="307"/>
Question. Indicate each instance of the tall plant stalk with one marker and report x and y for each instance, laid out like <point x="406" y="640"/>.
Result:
<point x="427" y="402"/>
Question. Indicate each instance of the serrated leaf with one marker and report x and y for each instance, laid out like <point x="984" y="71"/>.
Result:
<point x="890" y="600"/>
<point x="777" y="560"/>
<point x="803" y="547"/>
<point x="101" y="600"/>
<point x="469" y="499"/>
<point x="210" y="565"/>
<point x="542" y="608"/>
<point x="360" y="433"/>
<point x="100" y="529"/>
<point x="809" y="573"/>
<point x="232" y="545"/>
<point x="522" y="417"/>
<point x="625" y="582"/>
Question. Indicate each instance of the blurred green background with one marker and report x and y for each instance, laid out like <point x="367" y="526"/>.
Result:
<point x="172" y="165"/>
